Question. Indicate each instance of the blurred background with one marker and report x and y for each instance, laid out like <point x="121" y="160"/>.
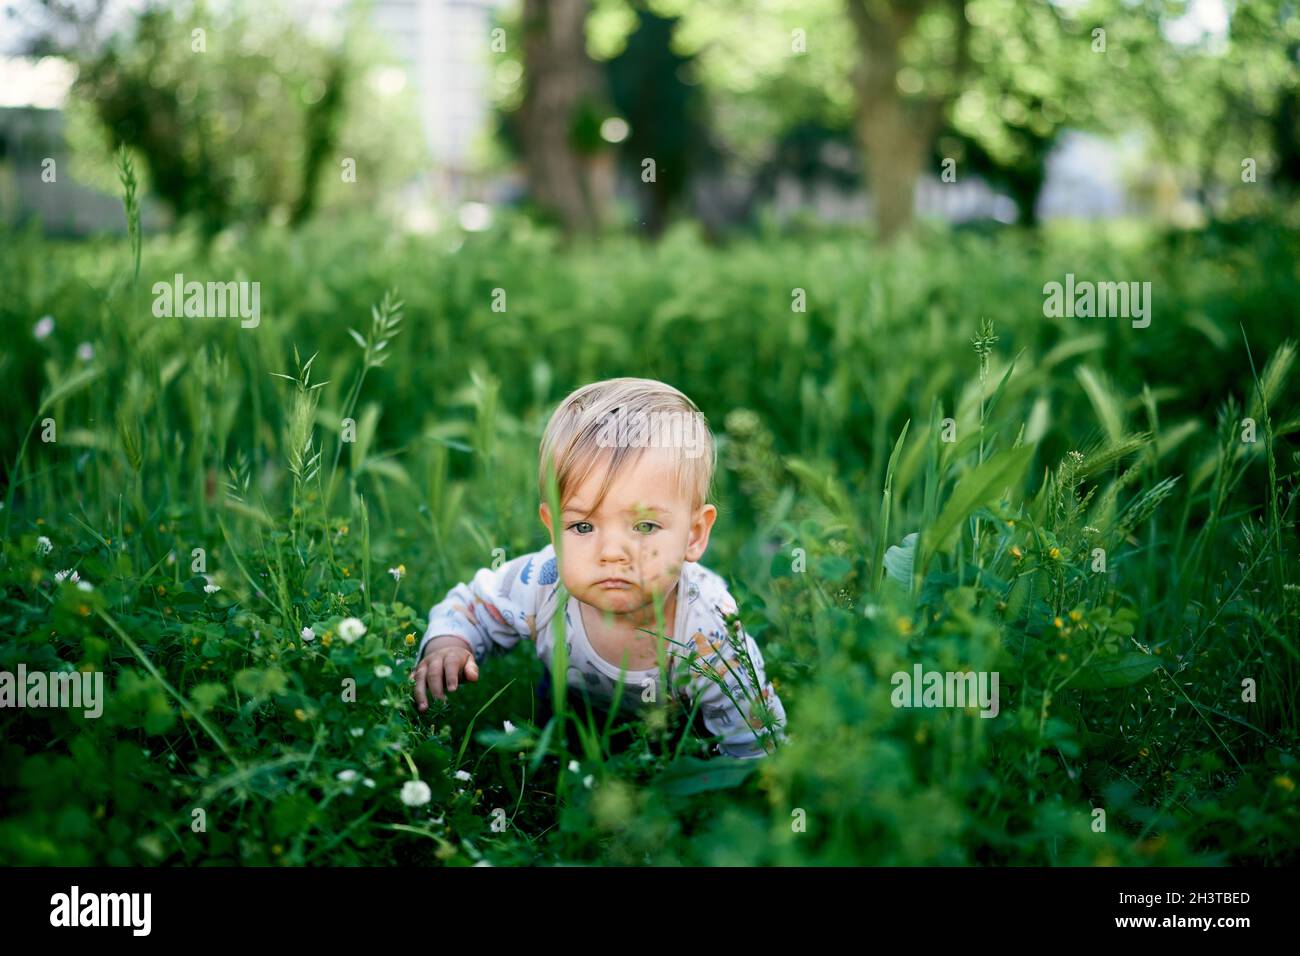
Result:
<point x="626" y="115"/>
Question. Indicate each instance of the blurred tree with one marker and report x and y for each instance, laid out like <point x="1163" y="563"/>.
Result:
<point x="991" y="83"/>
<point x="568" y="166"/>
<point x="899" y="109"/>
<point x="647" y="81"/>
<point x="243" y="114"/>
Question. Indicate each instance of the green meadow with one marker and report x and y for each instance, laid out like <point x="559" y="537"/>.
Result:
<point x="917" y="466"/>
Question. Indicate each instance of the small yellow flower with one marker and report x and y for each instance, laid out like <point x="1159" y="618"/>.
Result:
<point x="194" y="641"/>
<point x="1076" y="616"/>
<point x="83" y="610"/>
<point x="300" y="713"/>
<point x="347" y="573"/>
<point x="343" y="529"/>
<point x="1285" y="782"/>
<point x="1062" y="657"/>
<point x="1054" y="553"/>
<point x="1016" y="552"/>
<point x="1144" y="752"/>
<point x="904" y="625"/>
<point x="161" y="590"/>
<point x="1058" y="622"/>
<point x="409" y="639"/>
<point x="40" y="521"/>
<point x="327" y="639"/>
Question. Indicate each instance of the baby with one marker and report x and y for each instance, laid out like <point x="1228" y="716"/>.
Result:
<point x="633" y="461"/>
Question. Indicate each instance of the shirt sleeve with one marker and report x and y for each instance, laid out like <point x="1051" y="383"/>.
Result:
<point x="736" y="713"/>
<point x="495" y="609"/>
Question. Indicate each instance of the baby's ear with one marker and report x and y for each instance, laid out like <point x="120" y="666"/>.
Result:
<point x="544" y="512"/>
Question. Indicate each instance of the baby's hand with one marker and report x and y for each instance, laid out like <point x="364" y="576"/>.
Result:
<point x="445" y="658"/>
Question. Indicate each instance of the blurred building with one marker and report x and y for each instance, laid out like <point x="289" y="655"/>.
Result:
<point x="444" y="47"/>
<point x="36" y="181"/>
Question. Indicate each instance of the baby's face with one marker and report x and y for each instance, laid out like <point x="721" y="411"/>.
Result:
<point x="641" y="535"/>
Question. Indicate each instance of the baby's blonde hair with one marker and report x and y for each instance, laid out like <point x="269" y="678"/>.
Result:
<point x="578" y="436"/>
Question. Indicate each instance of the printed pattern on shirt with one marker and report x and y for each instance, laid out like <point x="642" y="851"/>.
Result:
<point x="496" y="609"/>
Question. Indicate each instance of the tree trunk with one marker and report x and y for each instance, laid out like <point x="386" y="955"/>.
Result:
<point x="566" y="176"/>
<point x="895" y="132"/>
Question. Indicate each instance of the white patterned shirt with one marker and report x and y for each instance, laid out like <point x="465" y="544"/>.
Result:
<point x="498" y="608"/>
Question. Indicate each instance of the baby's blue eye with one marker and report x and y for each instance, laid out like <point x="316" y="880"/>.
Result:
<point x="576" y="523"/>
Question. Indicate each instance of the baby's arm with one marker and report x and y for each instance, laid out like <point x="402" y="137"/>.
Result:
<point x="735" y="714"/>
<point x="491" y="612"/>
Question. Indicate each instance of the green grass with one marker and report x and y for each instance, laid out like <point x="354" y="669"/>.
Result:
<point x="1120" y="690"/>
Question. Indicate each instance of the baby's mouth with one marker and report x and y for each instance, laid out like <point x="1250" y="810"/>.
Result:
<point x="615" y="584"/>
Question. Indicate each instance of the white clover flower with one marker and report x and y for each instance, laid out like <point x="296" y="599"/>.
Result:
<point x="85" y="586"/>
<point x="346" y="776"/>
<point x="85" y="351"/>
<point x="308" y="634"/>
<point x="510" y="728"/>
<point x="44" y="546"/>
<point x="587" y="781"/>
<point x="574" y="767"/>
<point x="43" y="327"/>
<point x="211" y="588"/>
<point x="383" y="670"/>
<point x="463" y="775"/>
<point x="351" y="628"/>
<point x="397" y="572"/>
<point x="369" y="783"/>
<point x="357" y="731"/>
<point x="416" y="793"/>
<point x="61" y="576"/>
